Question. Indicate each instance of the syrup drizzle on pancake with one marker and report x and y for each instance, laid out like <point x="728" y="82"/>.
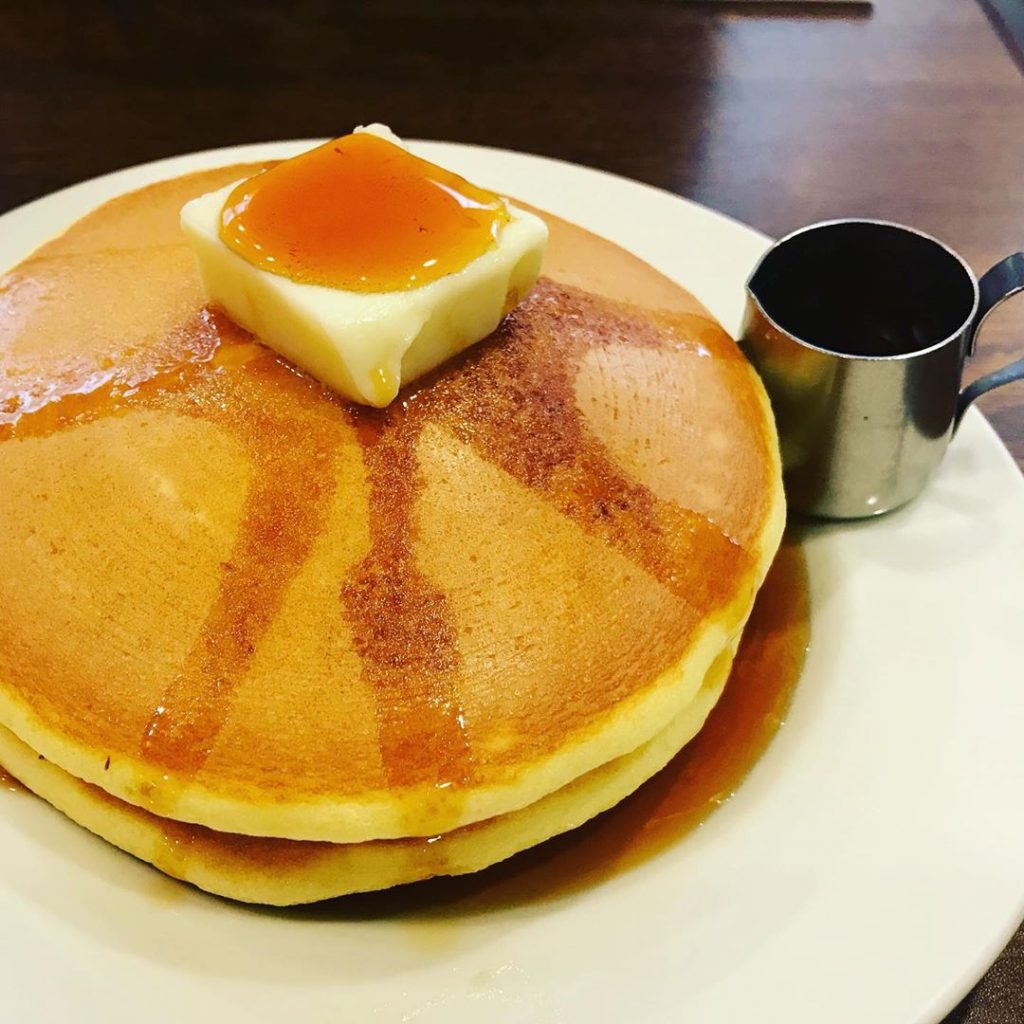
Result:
<point x="401" y="624"/>
<point x="292" y="485"/>
<point x="514" y="403"/>
<point x="511" y="398"/>
<point x="290" y="443"/>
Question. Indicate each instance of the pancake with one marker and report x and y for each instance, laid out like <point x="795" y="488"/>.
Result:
<point x="285" y="872"/>
<point x="233" y="600"/>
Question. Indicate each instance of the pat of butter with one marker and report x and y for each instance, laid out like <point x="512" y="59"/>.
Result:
<point x="366" y="345"/>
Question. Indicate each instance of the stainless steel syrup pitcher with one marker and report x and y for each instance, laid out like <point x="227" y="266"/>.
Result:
<point x="860" y="330"/>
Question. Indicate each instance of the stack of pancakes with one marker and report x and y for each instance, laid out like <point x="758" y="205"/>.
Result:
<point x="285" y="648"/>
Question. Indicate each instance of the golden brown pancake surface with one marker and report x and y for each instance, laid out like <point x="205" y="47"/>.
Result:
<point x="234" y="599"/>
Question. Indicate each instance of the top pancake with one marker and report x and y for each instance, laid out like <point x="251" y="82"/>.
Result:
<point x="234" y="599"/>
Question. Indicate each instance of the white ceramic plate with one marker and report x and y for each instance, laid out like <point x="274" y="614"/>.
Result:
<point x="868" y="871"/>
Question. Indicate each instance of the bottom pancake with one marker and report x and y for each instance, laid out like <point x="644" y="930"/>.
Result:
<point x="284" y="872"/>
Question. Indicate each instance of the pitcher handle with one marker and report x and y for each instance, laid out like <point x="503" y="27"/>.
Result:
<point x="1006" y="278"/>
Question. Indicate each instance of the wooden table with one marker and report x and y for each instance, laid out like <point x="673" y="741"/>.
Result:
<point x="774" y="114"/>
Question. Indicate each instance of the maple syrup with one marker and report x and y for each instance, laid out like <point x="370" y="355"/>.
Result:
<point x="361" y="214"/>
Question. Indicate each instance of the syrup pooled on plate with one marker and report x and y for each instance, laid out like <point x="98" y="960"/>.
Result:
<point x="10" y="783"/>
<point x="713" y="765"/>
<point x="752" y="708"/>
<point x="361" y="214"/>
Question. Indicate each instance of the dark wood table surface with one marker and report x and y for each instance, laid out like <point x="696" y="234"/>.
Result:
<point x="776" y="114"/>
